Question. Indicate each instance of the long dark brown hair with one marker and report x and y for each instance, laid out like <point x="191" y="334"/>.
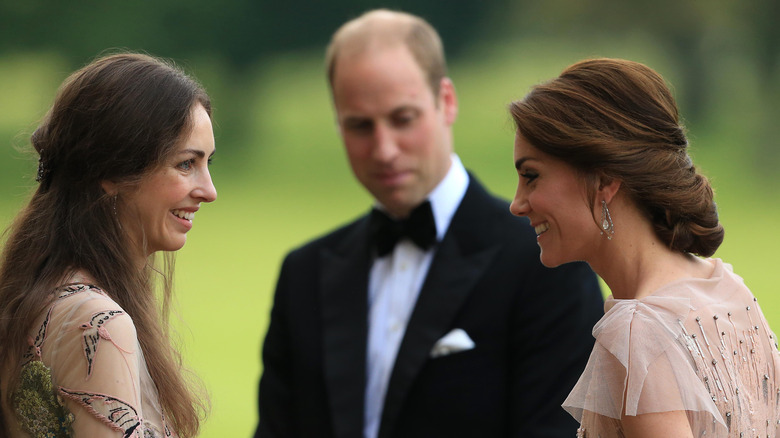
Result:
<point x="116" y="119"/>
<point x="617" y="119"/>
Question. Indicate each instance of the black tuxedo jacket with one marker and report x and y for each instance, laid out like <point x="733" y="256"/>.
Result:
<point x="531" y="326"/>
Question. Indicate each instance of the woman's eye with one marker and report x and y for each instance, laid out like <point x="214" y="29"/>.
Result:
<point x="529" y="176"/>
<point x="186" y="165"/>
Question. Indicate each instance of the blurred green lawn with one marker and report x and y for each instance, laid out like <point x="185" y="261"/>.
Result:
<point x="285" y="180"/>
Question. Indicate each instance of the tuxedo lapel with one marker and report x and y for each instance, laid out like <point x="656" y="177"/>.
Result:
<point x="343" y="288"/>
<point x="458" y="264"/>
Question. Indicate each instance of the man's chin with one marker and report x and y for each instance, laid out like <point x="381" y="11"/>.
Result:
<point x="400" y="206"/>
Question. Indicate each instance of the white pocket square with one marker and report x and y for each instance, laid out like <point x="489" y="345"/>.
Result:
<point x="453" y="342"/>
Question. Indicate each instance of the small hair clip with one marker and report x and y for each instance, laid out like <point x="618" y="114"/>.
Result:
<point x="42" y="170"/>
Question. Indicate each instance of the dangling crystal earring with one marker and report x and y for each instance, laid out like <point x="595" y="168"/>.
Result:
<point x="606" y="221"/>
<point x="113" y="204"/>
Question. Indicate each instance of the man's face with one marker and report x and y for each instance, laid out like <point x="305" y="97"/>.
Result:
<point x="396" y="132"/>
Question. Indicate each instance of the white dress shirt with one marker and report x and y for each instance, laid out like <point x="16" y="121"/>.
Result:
<point x="395" y="281"/>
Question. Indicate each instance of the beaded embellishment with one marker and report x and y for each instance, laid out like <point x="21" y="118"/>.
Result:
<point x="39" y="409"/>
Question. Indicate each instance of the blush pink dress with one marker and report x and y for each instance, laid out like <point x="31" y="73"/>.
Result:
<point x="698" y="345"/>
<point x="84" y="374"/>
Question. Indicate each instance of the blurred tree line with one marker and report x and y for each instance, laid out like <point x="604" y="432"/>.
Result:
<point x="240" y="31"/>
<point x="695" y="34"/>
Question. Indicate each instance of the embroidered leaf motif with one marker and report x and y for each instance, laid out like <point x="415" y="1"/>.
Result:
<point x="73" y="289"/>
<point x="116" y="413"/>
<point x="93" y="331"/>
<point x="38" y="408"/>
<point x="166" y="428"/>
<point x="34" y="351"/>
<point x="151" y="431"/>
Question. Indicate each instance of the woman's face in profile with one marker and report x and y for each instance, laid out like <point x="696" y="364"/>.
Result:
<point x="165" y="201"/>
<point x="553" y="196"/>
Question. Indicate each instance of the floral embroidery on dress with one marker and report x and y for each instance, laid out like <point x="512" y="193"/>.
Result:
<point x="93" y="331"/>
<point x="151" y="431"/>
<point x="40" y="411"/>
<point x="117" y="414"/>
<point x="34" y="351"/>
<point x="40" y="403"/>
<point x="166" y="429"/>
<point x="73" y="289"/>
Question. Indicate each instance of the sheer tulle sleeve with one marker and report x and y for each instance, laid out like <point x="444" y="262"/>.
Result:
<point x="640" y="364"/>
<point x="98" y="368"/>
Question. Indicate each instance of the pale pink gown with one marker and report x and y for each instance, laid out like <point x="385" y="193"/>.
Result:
<point x="85" y="372"/>
<point x="698" y="345"/>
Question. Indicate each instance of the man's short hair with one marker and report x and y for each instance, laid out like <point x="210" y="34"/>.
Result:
<point x="382" y="28"/>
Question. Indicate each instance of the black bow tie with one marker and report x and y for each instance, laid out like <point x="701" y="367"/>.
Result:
<point x="419" y="227"/>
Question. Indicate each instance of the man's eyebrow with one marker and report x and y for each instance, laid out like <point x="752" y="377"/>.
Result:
<point x="355" y="119"/>
<point x="405" y="108"/>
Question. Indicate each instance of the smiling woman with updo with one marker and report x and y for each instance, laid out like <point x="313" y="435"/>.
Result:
<point x="683" y="349"/>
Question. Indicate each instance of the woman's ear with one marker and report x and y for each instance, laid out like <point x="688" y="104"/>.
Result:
<point x="109" y="187"/>
<point x="608" y="188"/>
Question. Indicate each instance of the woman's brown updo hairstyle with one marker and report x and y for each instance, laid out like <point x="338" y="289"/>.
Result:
<point x="617" y="119"/>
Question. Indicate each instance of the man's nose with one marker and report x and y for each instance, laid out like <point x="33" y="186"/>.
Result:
<point x="385" y="143"/>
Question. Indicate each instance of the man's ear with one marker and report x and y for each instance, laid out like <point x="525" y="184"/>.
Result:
<point x="448" y="100"/>
<point x="109" y="187"/>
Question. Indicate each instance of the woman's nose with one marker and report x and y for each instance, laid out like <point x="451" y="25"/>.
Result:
<point x="206" y="189"/>
<point x="519" y="206"/>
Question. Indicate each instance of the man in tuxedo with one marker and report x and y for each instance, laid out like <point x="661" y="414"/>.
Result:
<point x="430" y="316"/>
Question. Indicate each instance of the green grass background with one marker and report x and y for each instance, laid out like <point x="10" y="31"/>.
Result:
<point x="284" y="179"/>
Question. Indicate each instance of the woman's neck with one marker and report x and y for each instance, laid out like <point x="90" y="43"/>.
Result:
<point x="636" y="263"/>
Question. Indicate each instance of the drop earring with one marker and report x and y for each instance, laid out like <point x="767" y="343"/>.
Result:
<point x="607" y="226"/>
